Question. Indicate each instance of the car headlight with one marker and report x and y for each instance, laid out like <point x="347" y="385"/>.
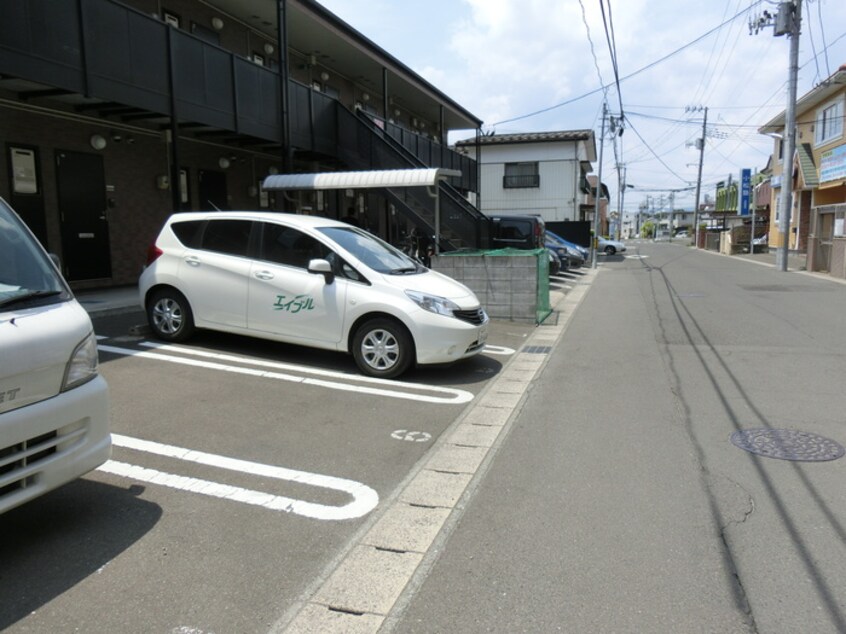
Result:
<point x="82" y="366"/>
<point x="433" y="303"/>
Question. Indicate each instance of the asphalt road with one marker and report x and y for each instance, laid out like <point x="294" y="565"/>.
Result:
<point x="617" y="503"/>
<point x="579" y="478"/>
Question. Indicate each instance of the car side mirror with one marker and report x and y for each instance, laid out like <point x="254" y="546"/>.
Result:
<point x="322" y="267"/>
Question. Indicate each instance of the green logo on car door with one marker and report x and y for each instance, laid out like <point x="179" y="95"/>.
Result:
<point x="295" y="305"/>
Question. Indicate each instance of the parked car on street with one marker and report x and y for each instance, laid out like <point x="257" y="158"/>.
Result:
<point x="610" y="247"/>
<point x="577" y="255"/>
<point x="54" y="404"/>
<point x="560" y="252"/>
<point x="517" y="231"/>
<point x="554" y="262"/>
<point x="310" y="281"/>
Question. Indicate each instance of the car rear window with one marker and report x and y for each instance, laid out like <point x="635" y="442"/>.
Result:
<point x="189" y="232"/>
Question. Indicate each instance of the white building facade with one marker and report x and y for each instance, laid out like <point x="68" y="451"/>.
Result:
<point x="541" y="173"/>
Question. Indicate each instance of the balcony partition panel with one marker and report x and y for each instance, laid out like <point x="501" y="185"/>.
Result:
<point x="299" y="114"/>
<point x="257" y="94"/>
<point x="325" y="123"/>
<point x="126" y="55"/>
<point x="203" y="81"/>
<point x="40" y="40"/>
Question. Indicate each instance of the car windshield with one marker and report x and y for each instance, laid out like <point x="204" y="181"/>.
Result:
<point x="373" y="252"/>
<point x="27" y="277"/>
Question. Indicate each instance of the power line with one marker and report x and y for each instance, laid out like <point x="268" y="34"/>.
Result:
<point x="659" y="159"/>
<point x="604" y="87"/>
<point x="592" y="52"/>
<point x="612" y="49"/>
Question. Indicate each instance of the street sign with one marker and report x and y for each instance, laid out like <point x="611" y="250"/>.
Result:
<point x="745" y="190"/>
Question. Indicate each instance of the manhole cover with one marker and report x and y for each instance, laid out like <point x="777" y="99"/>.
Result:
<point x="787" y="444"/>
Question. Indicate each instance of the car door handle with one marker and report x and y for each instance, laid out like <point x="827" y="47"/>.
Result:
<point x="193" y="261"/>
<point x="264" y="275"/>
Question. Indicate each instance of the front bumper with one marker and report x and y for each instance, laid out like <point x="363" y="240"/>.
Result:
<point x="442" y="339"/>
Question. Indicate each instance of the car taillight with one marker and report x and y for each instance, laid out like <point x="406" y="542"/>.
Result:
<point x="153" y="252"/>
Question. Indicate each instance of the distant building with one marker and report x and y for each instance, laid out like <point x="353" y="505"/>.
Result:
<point x="543" y="173"/>
<point x="818" y="177"/>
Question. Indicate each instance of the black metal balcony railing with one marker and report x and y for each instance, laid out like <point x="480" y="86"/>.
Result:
<point x="106" y="50"/>
<point x="363" y="145"/>
<point x="521" y="181"/>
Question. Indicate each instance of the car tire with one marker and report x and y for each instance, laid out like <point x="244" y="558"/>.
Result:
<point x="382" y="348"/>
<point x="609" y="250"/>
<point x="169" y="315"/>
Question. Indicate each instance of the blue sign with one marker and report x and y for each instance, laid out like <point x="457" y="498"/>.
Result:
<point x="745" y="191"/>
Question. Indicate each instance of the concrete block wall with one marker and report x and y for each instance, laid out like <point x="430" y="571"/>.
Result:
<point x="505" y="285"/>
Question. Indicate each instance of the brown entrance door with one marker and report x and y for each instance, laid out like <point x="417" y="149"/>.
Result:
<point x="82" y="211"/>
<point x="826" y="233"/>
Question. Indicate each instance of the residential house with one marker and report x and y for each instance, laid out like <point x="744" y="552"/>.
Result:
<point x="117" y="114"/>
<point x="544" y="173"/>
<point x="818" y="177"/>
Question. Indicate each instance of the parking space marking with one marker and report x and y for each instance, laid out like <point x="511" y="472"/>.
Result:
<point x="499" y="350"/>
<point x="364" y="499"/>
<point x="443" y="395"/>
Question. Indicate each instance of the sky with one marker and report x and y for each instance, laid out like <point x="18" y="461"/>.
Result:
<point x="545" y="65"/>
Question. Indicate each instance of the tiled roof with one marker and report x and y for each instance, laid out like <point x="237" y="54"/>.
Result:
<point x="529" y="137"/>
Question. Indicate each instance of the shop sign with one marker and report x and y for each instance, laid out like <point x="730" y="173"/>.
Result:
<point x="833" y="164"/>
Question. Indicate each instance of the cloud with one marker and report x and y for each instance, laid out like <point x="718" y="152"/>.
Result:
<point x="503" y="59"/>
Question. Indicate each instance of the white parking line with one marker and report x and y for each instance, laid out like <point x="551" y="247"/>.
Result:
<point x="499" y="350"/>
<point x="448" y="396"/>
<point x="364" y="499"/>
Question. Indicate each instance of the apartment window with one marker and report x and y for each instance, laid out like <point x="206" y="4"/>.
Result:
<point x="521" y="175"/>
<point x="829" y="123"/>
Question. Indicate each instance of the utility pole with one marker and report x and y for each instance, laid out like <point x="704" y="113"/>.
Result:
<point x="622" y="199"/>
<point x="793" y="20"/>
<point x="672" y="213"/>
<point x="619" y="233"/>
<point x="598" y="187"/>
<point x="787" y="21"/>
<point x="699" y="181"/>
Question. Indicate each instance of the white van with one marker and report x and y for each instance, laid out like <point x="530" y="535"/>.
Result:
<point x="54" y="407"/>
<point x="310" y="281"/>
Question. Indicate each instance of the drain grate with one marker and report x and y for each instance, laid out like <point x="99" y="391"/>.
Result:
<point x="787" y="444"/>
<point x="537" y="349"/>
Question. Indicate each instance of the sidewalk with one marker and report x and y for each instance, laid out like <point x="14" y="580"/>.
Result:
<point x="795" y="261"/>
<point x="109" y="301"/>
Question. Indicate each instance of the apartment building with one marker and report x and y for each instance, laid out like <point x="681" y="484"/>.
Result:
<point x="544" y="173"/>
<point x="114" y="115"/>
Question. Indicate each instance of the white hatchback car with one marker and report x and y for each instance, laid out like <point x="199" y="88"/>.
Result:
<point x="309" y="281"/>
